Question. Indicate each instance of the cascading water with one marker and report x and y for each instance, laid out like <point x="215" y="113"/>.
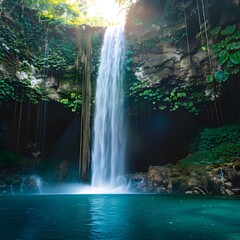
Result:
<point x="109" y="135"/>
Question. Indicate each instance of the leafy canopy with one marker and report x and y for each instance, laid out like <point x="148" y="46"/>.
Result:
<point x="79" y="12"/>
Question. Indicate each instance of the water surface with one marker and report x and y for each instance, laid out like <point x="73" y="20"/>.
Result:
<point x="119" y="217"/>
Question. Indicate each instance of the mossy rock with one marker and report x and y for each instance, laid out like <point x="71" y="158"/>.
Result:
<point x="201" y="157"/>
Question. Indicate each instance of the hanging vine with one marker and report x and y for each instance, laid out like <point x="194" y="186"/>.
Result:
<point x="84" y="45"/>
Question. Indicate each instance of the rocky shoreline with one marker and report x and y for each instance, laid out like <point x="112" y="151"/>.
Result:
<point x="9" y="181"/>
<point x="207" y="179"/>
<point x="215" y="179"/>
<point x="13" y="183"/>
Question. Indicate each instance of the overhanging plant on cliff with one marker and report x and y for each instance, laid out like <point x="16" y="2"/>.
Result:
<point x="227" y="52"/>
<point x="168" y="98"/>
<point x="11" y="89"/>
<point x="72" y="101"/>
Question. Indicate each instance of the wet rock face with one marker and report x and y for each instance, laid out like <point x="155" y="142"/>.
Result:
<point x="170" y="65"/>
<point x="161" y="55"/>
<point x="31" y="184"/>
<point x="62" y="172"/>
<point x="138" y="182"/>
<point x="12" y="183"/>
<point x="222" y="179"/>
<point x="155" y="175"/>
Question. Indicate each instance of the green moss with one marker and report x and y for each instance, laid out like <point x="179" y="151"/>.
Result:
<point x="201" y="157"/>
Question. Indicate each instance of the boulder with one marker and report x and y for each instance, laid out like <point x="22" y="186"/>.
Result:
<point x="155" y="175"/>
<point x="228" y="185"/>
<point x="161" y="190"/>
<point x="187" y="183"/>
<point x="31" y="184"/>
<point x="9" y="182"/>
<point x="137" y="182"/>
<point x="63" y="171"/>
<point x="216" y="185"/>
<point x="229" y="192"/>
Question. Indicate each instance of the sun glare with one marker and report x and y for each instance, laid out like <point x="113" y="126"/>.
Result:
<point x="108" y="10"/>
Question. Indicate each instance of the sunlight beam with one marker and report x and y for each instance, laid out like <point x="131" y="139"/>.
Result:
<point x="108" y="10"/>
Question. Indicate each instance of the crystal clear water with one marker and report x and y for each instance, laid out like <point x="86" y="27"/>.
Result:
<point x="119" y="217"/>
<point x="109" y="135"/>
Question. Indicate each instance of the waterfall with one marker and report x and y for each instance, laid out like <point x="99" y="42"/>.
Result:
<point x="109" y="134"/>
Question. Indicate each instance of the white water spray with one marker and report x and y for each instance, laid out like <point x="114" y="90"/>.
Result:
<point x="109" y="134"/>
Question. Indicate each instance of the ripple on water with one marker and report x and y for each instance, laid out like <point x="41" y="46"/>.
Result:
<point x="119" y="217"/>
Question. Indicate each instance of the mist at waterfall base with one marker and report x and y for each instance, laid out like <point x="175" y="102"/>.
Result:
<point x="109" y="128"/>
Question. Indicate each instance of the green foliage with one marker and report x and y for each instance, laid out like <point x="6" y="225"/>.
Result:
<point x="171" y="9"/>
<point x="209" y="78"/>
<point x="7" y="92"/>
<point x="13" y="89"/>
<point x="61" y="55"/>
<point x="163" y="98"/>
<point x="63" y="10"/>
<point x="229" y="30"/>
<point x="54" y="62"/>
<point x="215" y="145"/>
<point x="19" y="37"/>
<point x="227" y="51"/>
<point x="221" y="76"/>
<point x="235" y="58"/>
<point x="226" y="151"/>
<point x="201" y="157"/>
<point x="216" y="30"/>
<point x="71" y="12"/>
<point x="23" y="49"/>
<point x="210" y="138"/>
<point x="27" y="92"/>
<point x="72" y="101"/>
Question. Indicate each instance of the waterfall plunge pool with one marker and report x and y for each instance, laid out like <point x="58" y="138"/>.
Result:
<point x="136" y="216"/>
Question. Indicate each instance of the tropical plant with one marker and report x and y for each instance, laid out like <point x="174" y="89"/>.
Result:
<point x="226" y="151"/>
<point x="72" y="101"/>
<point x="13" y="89"/>
<point x="227" y="51"/>
<point x="170" y="98"/>
<point x="210" y="138"/>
